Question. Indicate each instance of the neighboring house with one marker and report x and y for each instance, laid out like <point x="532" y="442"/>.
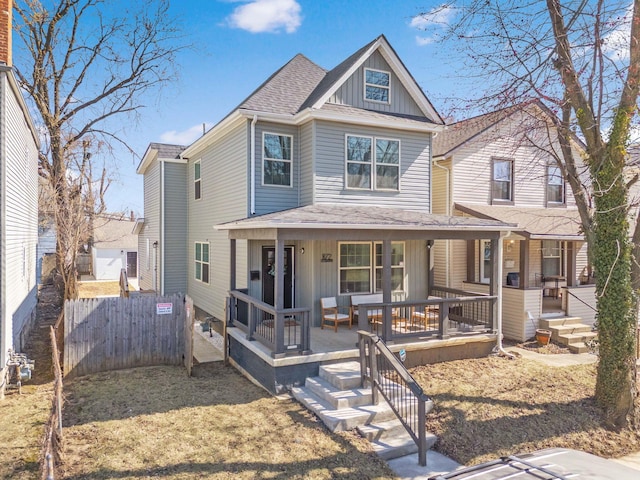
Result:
<point x="46" y="249"/>
<point x="162" y="233"/>
<point x="498" y="166"/>
<point x="316" y="185"/>
<point x="18" y="205"/>
<point x="114" y="247"/>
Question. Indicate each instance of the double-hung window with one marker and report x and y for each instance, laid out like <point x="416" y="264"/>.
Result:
<point x="369" y="168"/>
<point x="276" y="159"/>
<point x="502" y="180"/>
<point x="202" y="262"/>
<point x="197" y="180"/>
<point x="361" y="267"/>
<point x="485" y="261"/>
<point x="377" y="85"/>
<point x="555" y="185"/>
<point x="551" y="258"/>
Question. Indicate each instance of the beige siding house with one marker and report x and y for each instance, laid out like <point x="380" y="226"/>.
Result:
<point x="502" y="166"/>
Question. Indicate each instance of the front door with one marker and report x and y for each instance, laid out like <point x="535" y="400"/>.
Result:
<point x="132" y="264"/>
<point x="269" y="272"/>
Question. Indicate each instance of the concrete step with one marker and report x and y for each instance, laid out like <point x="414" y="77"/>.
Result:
<point x="390" y="439"/>
<point x="548" y="323"/>
<point x="576" y="338"/>
<point x="578" y="348"/>
<point x="343" y="376"/>
<point x="344" y="418"/>
<point x="571" y="328"/>
<point x="338" y="398"/>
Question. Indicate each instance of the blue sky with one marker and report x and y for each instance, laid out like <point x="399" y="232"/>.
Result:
<point x="238" y="44"/>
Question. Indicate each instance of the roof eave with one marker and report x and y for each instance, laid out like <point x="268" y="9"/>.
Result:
<point x="347" y="226"/>
<point x="315" y="114"/>
<point x="229" y="122"/>
<point x="149" y="156"/>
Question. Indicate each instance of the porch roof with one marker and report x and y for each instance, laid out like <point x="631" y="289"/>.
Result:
<point x="356" y="221"/>
<point x="535" y="223"/>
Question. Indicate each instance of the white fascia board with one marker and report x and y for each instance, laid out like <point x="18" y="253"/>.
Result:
<point x="147" y="158"/>
<point x="346" y="226"/>
<point x="137" y="227"/>
<point x="23" y="105"/>
<point x="228" y="123"/>
<point x="371" y="122"/>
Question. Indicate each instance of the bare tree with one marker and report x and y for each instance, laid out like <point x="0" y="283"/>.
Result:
<point x="581" y="58"/>
<point x="83" y="64"/>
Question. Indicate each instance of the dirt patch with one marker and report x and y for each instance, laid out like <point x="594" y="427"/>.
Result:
<point x="487" y="408"/>
<point x="532" y="345"/>
<point x="156" y="422"/>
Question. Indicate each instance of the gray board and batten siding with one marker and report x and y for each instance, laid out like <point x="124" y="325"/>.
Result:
<point x="151" y="230"/>
<point x="175" y="228"/>
<point x="352" y="91"/>
<point x="224" y="170"/>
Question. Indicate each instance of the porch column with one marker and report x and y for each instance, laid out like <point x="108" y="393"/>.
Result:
<point x="232" y="264"/>
<point x="386" y="288"/>
<point x="572" y="253"/>
<point x="524" y="264"/>
<point x="278" y="293"/>
<point x="496" y="284"/>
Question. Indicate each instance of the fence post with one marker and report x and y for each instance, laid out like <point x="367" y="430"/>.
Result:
<point x="373" y="367"/>
<point x="443" y="321"/>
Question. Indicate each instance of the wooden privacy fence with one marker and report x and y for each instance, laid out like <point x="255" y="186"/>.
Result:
<point x="113" y="333"/>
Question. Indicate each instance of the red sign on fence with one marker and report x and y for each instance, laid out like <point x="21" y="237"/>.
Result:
<point x="164" y="308"/>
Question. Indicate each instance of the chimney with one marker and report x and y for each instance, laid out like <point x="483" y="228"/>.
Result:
<point x="133" y="218"/>
<point x="5" y="31"/>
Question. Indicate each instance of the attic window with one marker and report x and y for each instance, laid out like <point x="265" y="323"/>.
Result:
<point x="377" y="84"/>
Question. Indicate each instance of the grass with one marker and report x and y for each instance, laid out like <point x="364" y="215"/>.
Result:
<point x="491" y="407"/>
<point x="156" y="422"/>
<point x="94" y="289"/>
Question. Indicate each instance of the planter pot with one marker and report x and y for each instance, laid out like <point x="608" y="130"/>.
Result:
<point x="543" y="336"/>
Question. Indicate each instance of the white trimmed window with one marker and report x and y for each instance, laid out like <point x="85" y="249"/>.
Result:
<point x="485" y="261"/>
<point x="502" y="184"/>
<point x="360" y="267"/>
<point x="276" y="159"/>
<point x="370" y="169"/>
<point x="202" y="262"/>
<point x="377" y="85"/>
<point x="551" y="258"/>
<point x="555" y="185"/>
<point x="197" y="180"/>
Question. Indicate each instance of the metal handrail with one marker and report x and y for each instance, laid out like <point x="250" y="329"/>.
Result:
<point x="388" y="376"/>
<point x="580" y="300"/>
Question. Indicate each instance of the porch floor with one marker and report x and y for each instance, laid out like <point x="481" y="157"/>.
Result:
<point x="330" y="346"/>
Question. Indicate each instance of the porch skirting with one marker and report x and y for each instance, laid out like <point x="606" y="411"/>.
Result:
<point x="279" y="375"/>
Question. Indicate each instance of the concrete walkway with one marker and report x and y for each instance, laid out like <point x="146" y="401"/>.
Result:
<point x="557" y="359"/>
<point x="207" y="347"/>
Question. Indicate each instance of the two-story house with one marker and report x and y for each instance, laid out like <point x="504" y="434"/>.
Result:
<point x="316" y="190"/>
<point x="19" y="143"/>
<point x="502" y="166"/>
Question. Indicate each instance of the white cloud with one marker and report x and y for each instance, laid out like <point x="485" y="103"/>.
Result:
<point x="442" y="15"/>
<point x="185" y="137"/>
<point x="271" y="16"/>
<point x="617" y="43"/>
<point x="422" y="41"/>
<point x="434" y="20"/>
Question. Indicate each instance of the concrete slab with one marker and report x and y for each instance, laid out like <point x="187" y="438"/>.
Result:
<point x="556" y="360"/>
<point x="632" y="460"/>
<point x="207" y="348"/>
<point x="407" y="468"/>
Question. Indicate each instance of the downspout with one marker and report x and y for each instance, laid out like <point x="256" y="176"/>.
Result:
<point x="162" y="226"/>
<point x="499" y="349"/>
<point x="252" y="192"/>
<point x="448" y="213"/>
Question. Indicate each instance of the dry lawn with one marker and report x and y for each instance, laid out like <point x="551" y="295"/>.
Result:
<point x="94" y="289"/>
<point x="491" y="407"/>
<point x="155" y="422"/>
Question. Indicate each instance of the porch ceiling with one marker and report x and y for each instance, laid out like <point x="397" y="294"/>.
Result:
<point x="535" y="223"/>
<point x="352" y="222"/>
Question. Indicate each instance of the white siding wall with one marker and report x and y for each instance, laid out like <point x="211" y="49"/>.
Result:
<point x="175" y="228"/>
<point x="224" y="172"/>
<point x="415" y="168"/>
<point x="19" y="220"/>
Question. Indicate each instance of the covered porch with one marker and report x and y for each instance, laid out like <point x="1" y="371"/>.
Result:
<point x="323" y="251"/>
<point x="544" y="266"/>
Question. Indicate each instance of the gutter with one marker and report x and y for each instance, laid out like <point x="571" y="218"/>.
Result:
<point x="162" y="228"/>
<point x="499" y="349"/>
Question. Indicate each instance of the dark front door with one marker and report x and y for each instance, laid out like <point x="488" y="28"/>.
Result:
<point x="269" y="272"/>
<point x="132" y="264"/>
